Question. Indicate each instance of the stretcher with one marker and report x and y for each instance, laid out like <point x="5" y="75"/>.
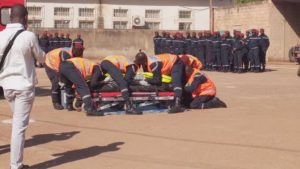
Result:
<point x="108" y="100"/>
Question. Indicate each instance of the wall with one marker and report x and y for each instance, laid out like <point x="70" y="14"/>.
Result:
<point x="280" y="19"/>
<point x="244" y="17"/>
<point x="100" y="43"/>
<point x="285" y="28"/>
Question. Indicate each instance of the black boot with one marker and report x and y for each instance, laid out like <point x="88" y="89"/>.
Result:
<point x="214" y="103"/>
<point x="91" y="109"/>
<point x="58" y="106"/>
<point x="130" y="108"/>
<point x="70" y="107"/>
<point x="177" y="106"/>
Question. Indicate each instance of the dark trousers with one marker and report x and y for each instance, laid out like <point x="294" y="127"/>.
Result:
<point x="199" y="102"/>
<point x="239" y="60"/>
<point x="55" y="88"/>
<point x="246" y="61"/>
<point x="177" y="74"/>
<point x="254" y="58"/>
<point x="116" y="74"/>
<point x="71" y="75"/>
<point x="262" y="58"/>
<point x="225" y="59"/>
<point x="201" y="55"/>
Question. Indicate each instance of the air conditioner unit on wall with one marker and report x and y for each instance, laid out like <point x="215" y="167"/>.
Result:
<point x="138" y="21"/>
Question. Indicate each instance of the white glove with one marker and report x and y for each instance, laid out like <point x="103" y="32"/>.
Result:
<point x="107" y="79"/>
<point x="144" y="83"/>
<point x="61" y="84"/>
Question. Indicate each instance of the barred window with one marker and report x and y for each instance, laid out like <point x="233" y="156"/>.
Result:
<point x="86" y="12"/>
<point x="34" y="23"/>
<point x="185" y="25"/>
<point x="120" y="12"/>
<point x="152" y="14"/>
<point x="61" y="23"/>
<point x="61" y="11"/>
<point x="120" y="25"/>
<point x="34" y="11"/>
<point x="86" y="24"/>
<point x="185" y="14"/>
<point x="152" y="25"/>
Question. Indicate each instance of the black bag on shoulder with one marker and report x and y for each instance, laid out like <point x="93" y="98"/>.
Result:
<point x="8" y="47"/>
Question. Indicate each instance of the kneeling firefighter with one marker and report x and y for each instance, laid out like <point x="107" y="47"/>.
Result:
<point x="115" y="65"/>
<point x="52" y="63"/>
<point x="166" y="64"/>
<point x="77" y="71"/>
<point x="202" y="89"/>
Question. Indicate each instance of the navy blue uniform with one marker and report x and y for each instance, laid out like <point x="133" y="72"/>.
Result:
<point x="225" y="53"/>
<point x="56" y="43"/>
<point x="169" y="45"/>
<point x="201" y="50"/>
<point x="157" y="44"/>
<point x="178" y="44"/>
<point x="163" y="45"/>
<point x="253" y="45"/>
<point x="187" y="45"/>
<point x="62" y="42"/>
<point x="194" y="46"/>
<point x="68" y="42"/>
<point x="216" y="53"/>
<point x="239" y="50"/>
<point x="264" y="45"/>
<point x="44" y="43"/>
<point x="209" y="52"/>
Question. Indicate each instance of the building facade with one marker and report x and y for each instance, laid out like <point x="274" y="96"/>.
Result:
<point x="122" y="14"/>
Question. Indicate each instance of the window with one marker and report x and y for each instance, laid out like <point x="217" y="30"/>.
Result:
<point x="185" y="14"/>
<point x="61" y="24"/>
<point x="152" y="14"/>
<point x="185" y="25"/>
<point x="86" y="12"/>
<point x="120" y="25"/>
<point x="120" y="12"/>
<point x="5" y="13"/>
<point x="35" y="23"/>
<point x="34" y="11"/>
<point x="61" y="11"/>
<point x="152" y="25"/>
<point x="86" y="24"/>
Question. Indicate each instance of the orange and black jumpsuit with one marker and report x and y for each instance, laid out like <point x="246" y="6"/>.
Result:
<point x="166" y="64"/>
<point x="115" y="66"/>
<point x="77" y="71"/>
<point x="202" y="89"/>
<point x="52" y="63"/>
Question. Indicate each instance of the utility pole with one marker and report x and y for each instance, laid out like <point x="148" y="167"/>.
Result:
<point x="211" y="15"/>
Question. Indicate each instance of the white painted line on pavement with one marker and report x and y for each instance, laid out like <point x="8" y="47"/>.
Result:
<point x="9" y="121"/>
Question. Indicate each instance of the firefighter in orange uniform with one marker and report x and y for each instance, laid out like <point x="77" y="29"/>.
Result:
<point x="202" y="89"/>
<point x="191" y="61"/>
<point x="166" y="64"/>
<point x="77" y="71"/>
<point x="52" y="63"/>
<point x="115" y="65"/>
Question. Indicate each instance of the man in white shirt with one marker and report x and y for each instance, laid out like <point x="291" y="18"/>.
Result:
<point x="18" y="78"/>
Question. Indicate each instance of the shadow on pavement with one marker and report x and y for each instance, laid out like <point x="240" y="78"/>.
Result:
<point x="75" y="155"/>
<point x="42" y="139"/>
<point x="41" y="91"/>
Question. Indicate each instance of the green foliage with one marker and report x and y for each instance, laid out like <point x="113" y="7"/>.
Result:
<point x="246" y="1"/>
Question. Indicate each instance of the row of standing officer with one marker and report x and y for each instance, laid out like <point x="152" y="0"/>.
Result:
<point x="49" y="42"/>
<point x="216" y="52"/>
